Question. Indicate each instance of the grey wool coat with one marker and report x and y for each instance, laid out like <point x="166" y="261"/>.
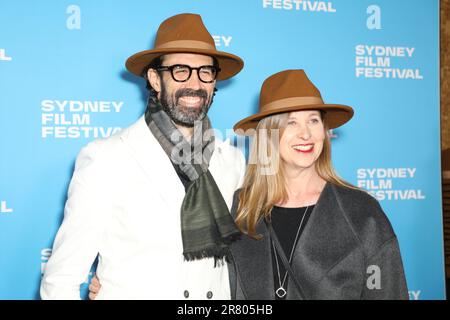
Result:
<point x="348" y="250"/>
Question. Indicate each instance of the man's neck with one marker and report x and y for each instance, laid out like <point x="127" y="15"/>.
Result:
<point x="186" y="131"/>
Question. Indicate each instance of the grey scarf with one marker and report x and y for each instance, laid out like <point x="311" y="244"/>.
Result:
<point x="207" y="227"/>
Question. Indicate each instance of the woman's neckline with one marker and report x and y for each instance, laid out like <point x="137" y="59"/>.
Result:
<point x="303" y="207"/>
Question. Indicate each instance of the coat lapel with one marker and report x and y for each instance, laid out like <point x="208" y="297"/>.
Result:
<point x="155" y="164"/>
<point x="152" y="159"/>
<point x="326" y="240"/>
<point x="253" y="263"/>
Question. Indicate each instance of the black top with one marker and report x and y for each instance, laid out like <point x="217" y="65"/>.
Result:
<point x="286" y="223"/>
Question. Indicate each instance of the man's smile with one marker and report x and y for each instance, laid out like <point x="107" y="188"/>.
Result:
<point x="191" y="101"/>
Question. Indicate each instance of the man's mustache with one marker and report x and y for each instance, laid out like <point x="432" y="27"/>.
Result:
<point x="190" y="93"/>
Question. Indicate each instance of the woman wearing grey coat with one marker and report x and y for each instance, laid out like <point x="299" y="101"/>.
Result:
<point x="308" y="234"/>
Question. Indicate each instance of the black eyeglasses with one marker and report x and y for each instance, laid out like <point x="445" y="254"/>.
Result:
<point x="182" y="72"/>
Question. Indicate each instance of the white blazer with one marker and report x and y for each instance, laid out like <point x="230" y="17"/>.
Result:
<point x="123" y="205"/>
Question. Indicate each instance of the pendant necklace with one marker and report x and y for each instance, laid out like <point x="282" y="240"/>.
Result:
<point x="281" y="291"/>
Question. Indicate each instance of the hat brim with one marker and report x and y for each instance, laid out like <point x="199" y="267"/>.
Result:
<point x="335" y="114"/>
<point x="229" y="64"/>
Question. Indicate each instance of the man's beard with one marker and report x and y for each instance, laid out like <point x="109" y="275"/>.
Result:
<point x="185" y="116"/>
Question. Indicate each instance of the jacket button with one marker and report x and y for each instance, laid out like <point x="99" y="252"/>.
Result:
<point x="186" y="294"/>
<point x="209" y="295"/>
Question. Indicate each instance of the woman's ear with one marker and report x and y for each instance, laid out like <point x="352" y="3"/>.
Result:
<point x="154" y="79"/>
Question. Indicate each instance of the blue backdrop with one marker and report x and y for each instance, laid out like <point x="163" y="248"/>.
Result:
<point x="63" y="83"/>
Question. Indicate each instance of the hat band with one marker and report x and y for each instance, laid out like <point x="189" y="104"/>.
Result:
<point x="186" y="44"/>
<point x="291" y="102"/>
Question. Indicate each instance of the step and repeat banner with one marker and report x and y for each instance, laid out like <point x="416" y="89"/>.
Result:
<point x="63" y="83"/>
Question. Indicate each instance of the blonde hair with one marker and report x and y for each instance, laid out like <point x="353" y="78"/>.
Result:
<point x="264" y="181"/>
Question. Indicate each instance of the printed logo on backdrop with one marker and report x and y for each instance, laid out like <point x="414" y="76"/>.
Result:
<point x="299" y="5"/>
<point x="45" y="255"/>
<point x="222" y="41"/>
<point x="4" y="208"/>
<point x="374" y="20"/>
<point x="376" y="61"/>
<point x="381" y="183"/>
<point x="333" y="134"/>
<point x="4" y="56"/>
<point x="414" y="294"/>
<point x="73" y="119"/>
<point x="73" y="22"/>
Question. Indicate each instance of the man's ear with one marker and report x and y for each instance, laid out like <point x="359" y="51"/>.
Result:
<point x="154" y="79"/>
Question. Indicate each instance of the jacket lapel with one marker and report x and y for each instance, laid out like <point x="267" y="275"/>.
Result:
<point x="253" y="262"/>
<point x="326" y="240"/>
<point x="155" y="164"/>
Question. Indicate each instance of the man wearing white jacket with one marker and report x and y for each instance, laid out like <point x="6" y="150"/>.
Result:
<point x="152" y="202"/>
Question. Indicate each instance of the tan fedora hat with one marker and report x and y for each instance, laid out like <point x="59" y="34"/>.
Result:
<point x="291" y="90"/>
<point x="185" y="33"/>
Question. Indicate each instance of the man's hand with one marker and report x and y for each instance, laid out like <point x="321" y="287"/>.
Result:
<point x="94" y="288"/>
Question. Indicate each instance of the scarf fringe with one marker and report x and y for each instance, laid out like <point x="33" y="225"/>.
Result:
<point x="221" y="255"/>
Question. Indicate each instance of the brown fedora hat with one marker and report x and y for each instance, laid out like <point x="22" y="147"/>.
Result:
<point x="185" y="33"/>
<point x="291" y="90"/>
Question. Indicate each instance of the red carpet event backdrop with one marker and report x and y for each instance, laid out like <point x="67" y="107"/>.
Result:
<point x="63" y="83"/>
